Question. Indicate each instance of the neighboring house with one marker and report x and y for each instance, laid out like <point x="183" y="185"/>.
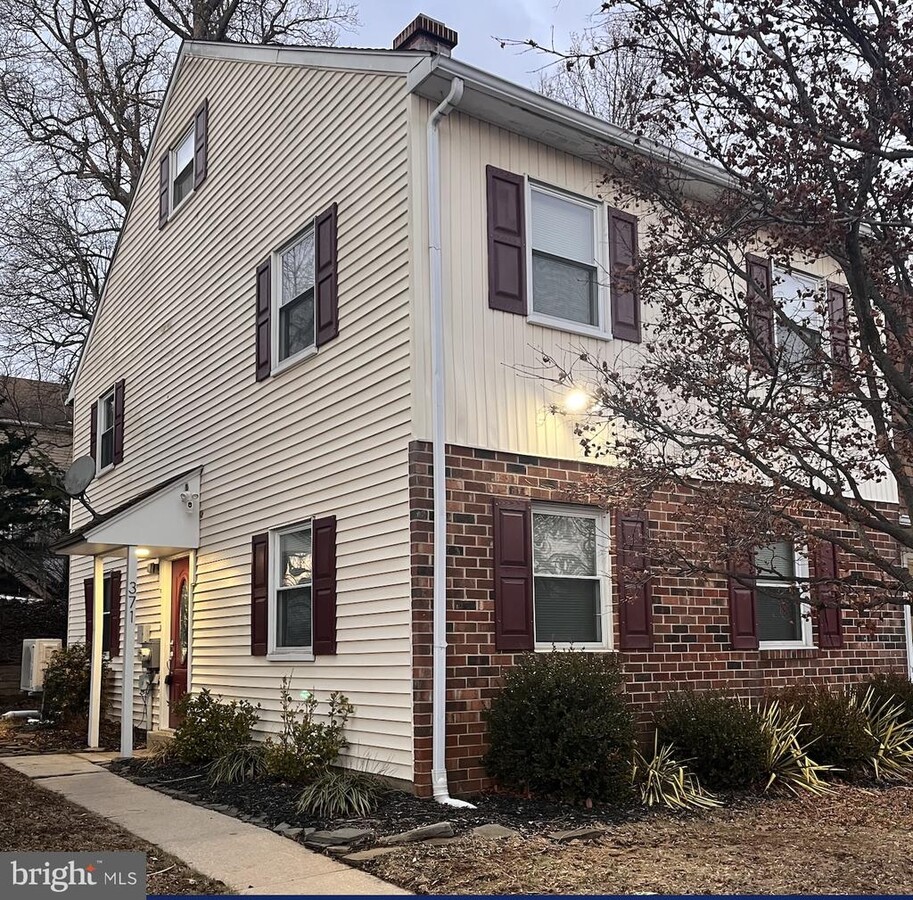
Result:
<point x="263" y="388"/>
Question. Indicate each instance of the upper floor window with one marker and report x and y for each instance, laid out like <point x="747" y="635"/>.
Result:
<point x="783" y="616"/>
<point x="105" y="449"/>
<point x="296" y="296"/>
<point x="182" y="169"/>
<point x="800" y="298"/>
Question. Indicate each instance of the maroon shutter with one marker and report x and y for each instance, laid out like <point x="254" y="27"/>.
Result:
<point x="326" y="304"/>
<point x="93" y="430"/>
<point x="88" y="587"/>
<point x="259" y="593"/>
<point x="623" y="256"/>
<point x="264" y="336"/>
<point x="119" y="421"/>
<point x="324" y="586"/>
<point x="506" y="241"/>
<point x="513" y="586"/>
<point x="742" y="620"/>
<point x="830" y="617"/>
<point x="164" y="187"/>
<point x="115" y="617"/>
<point x="635" y="615"/>
<point x="759" y="296"/>
<point x="837" y="315"/>
<point x="200" y="142"/>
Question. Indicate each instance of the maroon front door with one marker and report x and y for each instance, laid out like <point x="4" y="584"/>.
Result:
<point x="180" y="632"/>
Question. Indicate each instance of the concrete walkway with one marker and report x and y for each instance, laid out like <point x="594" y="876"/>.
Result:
<point x="248" y="859"/>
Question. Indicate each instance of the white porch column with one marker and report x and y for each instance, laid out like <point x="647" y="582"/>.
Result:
<point x="127" y="651"/>
<point x="98" y="630"/>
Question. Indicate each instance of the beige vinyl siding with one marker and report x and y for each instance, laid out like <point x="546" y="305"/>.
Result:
<point x="326" y="437"/>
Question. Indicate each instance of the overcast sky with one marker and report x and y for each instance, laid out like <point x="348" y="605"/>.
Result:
<point x="478" y="22"/>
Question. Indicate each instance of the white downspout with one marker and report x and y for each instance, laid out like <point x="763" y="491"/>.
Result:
<point x="439" y="482"/>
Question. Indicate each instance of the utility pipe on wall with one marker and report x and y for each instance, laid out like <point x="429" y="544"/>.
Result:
<point x="438" y="437"/>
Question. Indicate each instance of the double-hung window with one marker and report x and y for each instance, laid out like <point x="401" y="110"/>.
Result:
<point x="295" y="297"/>
<point x="105" y="449"/>
<point x="800" y="298"/>
<point x="570" y="595"/>
<point x="182" y="170"/>
<point x="563" y="249"/>
<point x="783" y="614"/>
<point x="291" y="610"/>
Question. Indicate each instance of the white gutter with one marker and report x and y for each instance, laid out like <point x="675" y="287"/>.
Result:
<point x="439" y="480"/>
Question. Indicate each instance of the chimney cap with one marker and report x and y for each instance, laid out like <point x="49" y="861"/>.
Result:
<point x="425" y="33"/>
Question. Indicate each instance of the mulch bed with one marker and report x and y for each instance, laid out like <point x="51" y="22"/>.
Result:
<point x="18" y="738"/>
<point x="35" y="819"/>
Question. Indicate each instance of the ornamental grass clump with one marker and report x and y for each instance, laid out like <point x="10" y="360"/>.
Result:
<point x="891" y="757"/>
<point x="341" y="792"/>
<point x="789" y="767"/>
<point x="247" y="763"/>
<point x="665" y="781"/>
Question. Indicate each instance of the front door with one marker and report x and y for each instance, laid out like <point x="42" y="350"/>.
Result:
<point x="180" y="633"/>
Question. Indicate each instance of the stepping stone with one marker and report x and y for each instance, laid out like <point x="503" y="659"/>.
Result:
<point x="437" y="830"/>
<point x="440" y="842"/>
<point x="492" y="832"/>
<point x="578" y="834"/>
<point x="354" y="837"/>
<point x="373" y="853"/>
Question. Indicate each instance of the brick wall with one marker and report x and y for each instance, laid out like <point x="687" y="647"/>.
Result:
<point x="691" y="641"/>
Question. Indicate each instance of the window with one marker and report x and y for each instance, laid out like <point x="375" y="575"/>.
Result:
<point x="106" y="615"/>
<point x="292" y="593"/>
<point x="105" y="448"/>
<point x="563" y="234"/>
<point x="569" y="595"/>
<point x="783" y="618"/>
<point x="295" y="299"/>
<point x="182" y="170"/>
<point x="799" y="296"/>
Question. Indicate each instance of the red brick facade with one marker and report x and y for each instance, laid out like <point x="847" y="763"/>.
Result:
<point x="691" y="633"/>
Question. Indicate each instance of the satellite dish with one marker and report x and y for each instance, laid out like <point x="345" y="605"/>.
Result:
<point x="79" y="476"/>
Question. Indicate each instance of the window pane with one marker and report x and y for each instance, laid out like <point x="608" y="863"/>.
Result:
<point x="297" y="269"/>
<point x="183" y="185"/>
<point x="567" y="610"/>
<point x="293" y="620"/>
<point x="563" y="228"/>
<point x="107" y="412"/>
<point x="565" y="290"/>
<point x="296" y="325"/>
<point x="183" y="155"/>
<point x="778" y="612"/>
<point x="106" y="615"/>
<point x="775" y="561"/>
<point x="794" y="351"/>
<point x="295" y="558"/>
<point x="107" y="448"/>
<point x="564" y="545"/>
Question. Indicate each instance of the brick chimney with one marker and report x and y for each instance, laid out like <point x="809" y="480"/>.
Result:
<point x="425" y="33"/>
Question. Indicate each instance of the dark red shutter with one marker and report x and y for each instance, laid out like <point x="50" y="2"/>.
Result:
<point x="259" y="594"/>
<point x="264" y="335"/>
<point x="324" y="586"/>
<point x="200" y="143"/>
<point x="759" y="296"/>
<point x="115" y="617"/>
<point x="164" y="187"/>
<point x="624" y="257"/>
<point x="837" y="315"/>
<point x="93" y="430"/>
<point x="635" y="615"/>
<point x="513" y="586"/>
<point x="506" y="241"/>
<point x="830" y="616"/>
<point x="743" y="623"/>
<point x="88" y="587"/>
<point x="119" y="421"/>
<point x="326" y="306"/>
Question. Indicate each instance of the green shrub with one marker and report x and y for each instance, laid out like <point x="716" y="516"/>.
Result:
<point x="341" y="792"/>
<point x="66" y="685"/>
<point x="835" y="726"/>
<point x="722" y="737"/>
<point x="247" y="763"/>
<point x="210" y="727"/>
<point x="304" y="748"/>
<point x="560" y="727"/>
<point x="889" y="687"/>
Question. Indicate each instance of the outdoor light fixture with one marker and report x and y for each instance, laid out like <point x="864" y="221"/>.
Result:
<point x="577" y="401"/>
<point x="143" y="552"/>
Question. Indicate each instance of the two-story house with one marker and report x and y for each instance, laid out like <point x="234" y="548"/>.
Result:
<point x="335" y="262"/>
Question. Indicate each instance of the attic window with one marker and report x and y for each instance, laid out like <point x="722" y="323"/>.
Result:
<point x="182" y="167"/>
<point x="106" y="430"/>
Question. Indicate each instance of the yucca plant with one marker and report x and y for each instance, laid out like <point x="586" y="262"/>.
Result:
<point x="665" y="781"/>
<point x="341" y="792"/>
<point x="245" y="763"/>
<point x="892" y="737"/>
<point x="789" y="766"/>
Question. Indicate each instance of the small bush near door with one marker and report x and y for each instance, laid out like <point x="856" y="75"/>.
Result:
<point x="211" y="727"/>
<point x="560" y="727"/>
<point x="721" y="737"/>
<point x="66" y="685"/>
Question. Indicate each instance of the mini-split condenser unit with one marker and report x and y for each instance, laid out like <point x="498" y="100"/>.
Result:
<point x="36" y="653"/>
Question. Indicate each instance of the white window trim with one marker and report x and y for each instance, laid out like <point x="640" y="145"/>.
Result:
<point x="806" y="642"/>
<point x="286" y="654"/>
<point x="173" y="172"/>
<point x="278" y="366"/>
<point x="99" y="469"/>
<point x="603" y="574"/>
<point x="600" y="257"/>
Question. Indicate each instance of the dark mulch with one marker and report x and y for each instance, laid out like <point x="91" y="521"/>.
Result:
<point x="276" y="802"/>
<point x="35" y="819"/>
<point x="17" y="738"/>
